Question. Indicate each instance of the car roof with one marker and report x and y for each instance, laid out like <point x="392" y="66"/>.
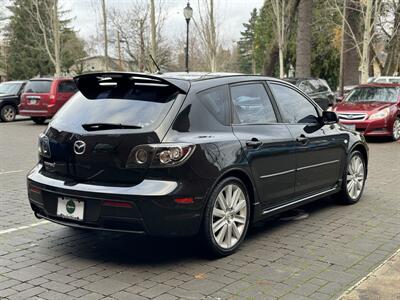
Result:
<point x="14" y="81"/>
<point x="380" y="84"/>
<point x="50" y="79"/>
<point x="301" y="78"/>
<point x="88" y="82"/>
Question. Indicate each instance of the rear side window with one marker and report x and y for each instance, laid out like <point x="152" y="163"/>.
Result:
<point x="38" y="86"/>
<point x="294" y="107"/>
<point x="216" y="102"/>
<point x="251" y="104"/>
<point x="306" y="87"/>
<point x="66" y="86"/>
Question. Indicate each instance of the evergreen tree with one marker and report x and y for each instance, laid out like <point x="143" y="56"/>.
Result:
<point x="28" y="57"/>
<point x="246" y="45"/>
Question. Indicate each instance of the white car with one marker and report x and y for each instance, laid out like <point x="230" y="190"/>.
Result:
<point x="387" y="79"/>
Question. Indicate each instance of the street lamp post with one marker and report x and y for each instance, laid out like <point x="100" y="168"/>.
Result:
<point x="187" y="13"/>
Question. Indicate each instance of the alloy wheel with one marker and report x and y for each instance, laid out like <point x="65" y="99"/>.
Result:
<point x="396" y="129"/>
<point x="229" y="216"/>
<point x="8" y="113"/>
<point x="355" y="176"/>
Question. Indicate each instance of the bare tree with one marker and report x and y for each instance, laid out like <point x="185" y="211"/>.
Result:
<point x="46" y="14"/>
<point x="283" y="12"/>
<point x="389" y="27"/>
<point x="104" y="13"/>
<point x="369" y="11"/>
<point x="141" y="34"/>
<point x="153" y="27"/>
<point x="207" y="32"/>
<point x="132" y="25"/>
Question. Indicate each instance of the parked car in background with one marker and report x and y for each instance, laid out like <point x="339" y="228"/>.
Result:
<point x="373" y="109"/>
<point x="10" y="95"/>
<point x="43" y="97"/>
<point x="317" y="89"/>
<point x="387" y="79"/>
<point x="346" y="90"/>
<point x="166" y="156"/>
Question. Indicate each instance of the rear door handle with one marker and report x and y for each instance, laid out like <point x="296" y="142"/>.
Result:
<point x="253" y="143"/>
<point x="302" y="139"/>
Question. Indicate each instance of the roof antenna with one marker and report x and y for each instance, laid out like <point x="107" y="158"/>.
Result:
<point x="154" y="62"/>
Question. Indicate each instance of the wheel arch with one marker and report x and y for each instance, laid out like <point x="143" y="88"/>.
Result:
<point x="363" y="150"/>
<point x="245" y="177"/>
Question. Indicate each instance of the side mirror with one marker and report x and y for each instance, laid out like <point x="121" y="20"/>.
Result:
<point x="329" y="117"/>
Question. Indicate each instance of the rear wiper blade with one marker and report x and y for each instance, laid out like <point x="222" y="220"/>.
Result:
<point x="106" y="126"/>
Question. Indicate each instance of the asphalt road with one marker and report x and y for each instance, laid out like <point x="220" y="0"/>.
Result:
<point x="316" y="258"/>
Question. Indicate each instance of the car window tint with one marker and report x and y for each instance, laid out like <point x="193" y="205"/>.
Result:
<point x="216" y="103"/>
<point x="252" y="105"/>
<point x="67" y="86"/>
<point x="294" y="107"/>
<point x="38" y="86"/>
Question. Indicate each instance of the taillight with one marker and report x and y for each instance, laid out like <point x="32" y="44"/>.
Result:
<point x="52" y="100"/>
<point x="159" y="155"/>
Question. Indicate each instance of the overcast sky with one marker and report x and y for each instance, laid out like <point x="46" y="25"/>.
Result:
<point x="231" y="14"/>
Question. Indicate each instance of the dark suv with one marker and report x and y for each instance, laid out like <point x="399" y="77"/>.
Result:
<point x="171" y="157"/>
<point x="10" y="95"/>
<point x="318" y="90"/>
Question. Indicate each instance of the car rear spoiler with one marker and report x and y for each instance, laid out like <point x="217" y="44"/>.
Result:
<point x="92" y="84"/>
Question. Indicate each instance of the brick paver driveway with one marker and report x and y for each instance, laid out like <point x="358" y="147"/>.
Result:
<point x="315" y="258"/>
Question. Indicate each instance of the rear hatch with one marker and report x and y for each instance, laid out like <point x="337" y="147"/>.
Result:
<point x="93" y="134"/>
<point x="37" y="94"/>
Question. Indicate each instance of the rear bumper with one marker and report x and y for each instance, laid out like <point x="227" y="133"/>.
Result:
<point x="380" y="127"/>
<point x="152" y="208"/>
<point x="35" y="113"/>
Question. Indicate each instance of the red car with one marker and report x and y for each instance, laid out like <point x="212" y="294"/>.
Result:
<point x="43" y="97"/>
<point x="373" y="109"/>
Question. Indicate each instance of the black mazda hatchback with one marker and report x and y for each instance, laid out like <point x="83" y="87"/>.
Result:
<point x="168" y="156"/>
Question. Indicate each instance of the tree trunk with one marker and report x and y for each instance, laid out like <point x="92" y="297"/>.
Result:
<point x="366" y="42"/>
<point x="213" y="34"/>
<point x="351" y="58"/>
<point x="303" y="39"/>
<point x="57" y="38"/>
<point x="393" y="49"/>
<point x="153" y="31"/>
<point x="142" y="50"/>
<point x="272" y="56"/>
<point x="106" y="61"/>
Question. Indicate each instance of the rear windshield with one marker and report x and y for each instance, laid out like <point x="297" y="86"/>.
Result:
<point x="38" y="86"/>
<point x="372" y="94"/>
<point x="145" y="107"/>
<point x="10" y="88"/>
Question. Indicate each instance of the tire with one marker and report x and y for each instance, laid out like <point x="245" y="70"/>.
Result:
<point x="232" y="227"/>
<point x="355" y="172"/>
<point x="396" y="130"/>
<point x="38" y="120"/>
<point x="8" y="113"/>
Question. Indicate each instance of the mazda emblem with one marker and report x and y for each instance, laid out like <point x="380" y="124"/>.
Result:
<point x="79" y="147"/>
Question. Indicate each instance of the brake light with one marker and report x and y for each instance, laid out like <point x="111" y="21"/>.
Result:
<point x="117" y="204"/>
<point x="159" y="155"/>
<point x="184" y="200"/>
<point x="52" y="100"/>
<point x="34" y="190"/>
